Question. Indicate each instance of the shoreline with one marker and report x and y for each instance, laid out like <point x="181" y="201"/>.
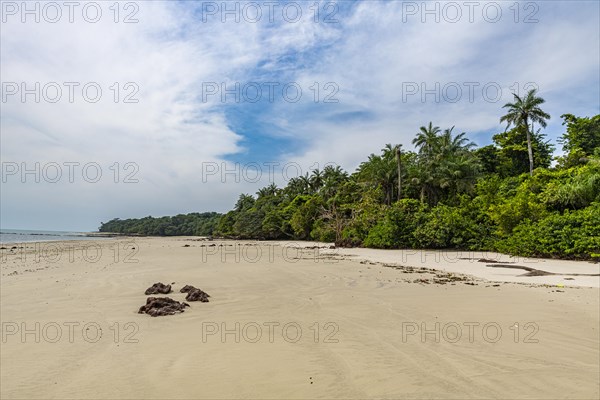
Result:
<point x="80" y="236"/>
<point x="486" y="265"/>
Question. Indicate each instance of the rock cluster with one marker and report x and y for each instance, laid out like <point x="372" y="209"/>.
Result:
<point x="159" y="306"/>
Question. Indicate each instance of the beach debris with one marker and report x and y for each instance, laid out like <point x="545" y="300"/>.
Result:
<point x="444" y="278"/>
<point x="159" y="306"/>
<point x="195" y="294"/>
<point x="159" y="288"/>
<point x="186" y="245"/>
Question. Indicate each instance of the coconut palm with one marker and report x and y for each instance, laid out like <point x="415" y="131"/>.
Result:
<point x="316" y="180"/>
<point x="426" y="139"/>
<point x="245" y="202"/>
<point x="270" y="190"/>
<point x="379" y="171"/>
<point x="446" y="164"/>
<point x="398" y="151"/>
<point x="451" y="145"/>
<point x="333" y="179"/>
<point x="523" y="111"/>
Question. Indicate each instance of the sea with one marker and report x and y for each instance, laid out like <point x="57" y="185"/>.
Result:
<point x="21" y="236"/>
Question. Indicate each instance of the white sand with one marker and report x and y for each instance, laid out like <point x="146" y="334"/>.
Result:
<point x="466" y="262"/>
<point x="369" y="319"/>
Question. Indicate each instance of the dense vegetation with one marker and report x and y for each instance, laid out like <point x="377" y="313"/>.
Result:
<point x="446" y="194"/>
<point x="194" y="224"/>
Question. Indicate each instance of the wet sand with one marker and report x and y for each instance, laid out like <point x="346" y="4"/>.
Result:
<point x="293" y="321"/>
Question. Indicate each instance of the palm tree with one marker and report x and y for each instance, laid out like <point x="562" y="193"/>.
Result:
<point x="245" y="202"/>
<point x="316" y="180"/>
<point x="333" y="178"/>
<point x="379" y="171"/>
<point x="390" y="158"/>
<point x="398" y="149"/>
<point x="426" y="139"/>
<point x="446" y="164"/>
<point x="305" y="180"/>
<point x="521" y="112"/>
<point x="427" y="143"/>
<point x="334" y="174"/>
<point x="270" y="190"/>
<point x="451" y="145"/>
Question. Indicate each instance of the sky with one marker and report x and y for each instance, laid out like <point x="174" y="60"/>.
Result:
<point x="141" y="108"/>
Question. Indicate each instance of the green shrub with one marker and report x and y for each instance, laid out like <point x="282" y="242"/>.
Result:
<point x="447" y="227"/>
<point x="366" y="214"/>
<point x="524" y="205"/>
<point x="574" y="234"/>
<point x="384" y="235"/>
<point x="396" y="229"/>
<point x="322" y="232"/>
<point x="578" y="188"/>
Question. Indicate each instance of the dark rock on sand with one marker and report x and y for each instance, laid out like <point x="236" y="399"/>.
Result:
<point x="186" y="288"/>
<point x="159" y="288"/>
<point x="197" y="295"/>
<point x="159" y="306"/>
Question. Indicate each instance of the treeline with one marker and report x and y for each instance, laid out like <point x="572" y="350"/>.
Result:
<point x="194" y="224"/>
<point x="447" y="194"/>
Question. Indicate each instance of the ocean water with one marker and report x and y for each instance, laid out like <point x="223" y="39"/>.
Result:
<point x="20" y="236"/>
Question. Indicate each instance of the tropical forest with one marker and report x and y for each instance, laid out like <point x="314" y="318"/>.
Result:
<point x="513" y="196"/>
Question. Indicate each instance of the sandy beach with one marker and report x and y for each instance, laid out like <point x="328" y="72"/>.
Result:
<point x="294" y="320"/>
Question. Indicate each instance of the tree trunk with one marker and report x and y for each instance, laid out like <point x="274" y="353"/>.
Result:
<point x="529" y="148"/>
<point x="399" y="161"/>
